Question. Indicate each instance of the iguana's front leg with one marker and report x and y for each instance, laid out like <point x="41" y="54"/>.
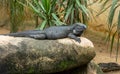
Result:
<point x="72" y="36"/>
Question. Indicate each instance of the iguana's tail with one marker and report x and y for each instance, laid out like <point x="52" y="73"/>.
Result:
<point x="24" y="33"/>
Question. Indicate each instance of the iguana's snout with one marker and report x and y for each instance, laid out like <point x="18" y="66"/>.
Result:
<point x="84" y="26"/>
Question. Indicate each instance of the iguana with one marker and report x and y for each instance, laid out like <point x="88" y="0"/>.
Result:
<point x="54" y="32"/>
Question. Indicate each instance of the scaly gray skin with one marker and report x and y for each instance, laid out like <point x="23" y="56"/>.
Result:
<point x="54" y="32"/>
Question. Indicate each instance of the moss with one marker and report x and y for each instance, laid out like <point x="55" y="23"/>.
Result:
<point x="65" y="64"/>
<point x="31" y="70"/>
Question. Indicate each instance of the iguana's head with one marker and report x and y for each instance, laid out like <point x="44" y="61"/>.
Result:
<point x="79" y="28"/>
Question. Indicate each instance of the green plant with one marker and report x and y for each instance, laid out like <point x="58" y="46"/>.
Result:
<point x="76" y="11"/>
<point x="16" y="13"/>
<point x="46" y="11"/>
<point x="113" y="6"/>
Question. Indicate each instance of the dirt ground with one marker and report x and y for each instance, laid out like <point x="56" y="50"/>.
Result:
<point x="98" y="39"/>
<point x="102" y="51"/>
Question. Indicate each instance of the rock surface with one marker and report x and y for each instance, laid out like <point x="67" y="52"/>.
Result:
<point x="26" y="55"/>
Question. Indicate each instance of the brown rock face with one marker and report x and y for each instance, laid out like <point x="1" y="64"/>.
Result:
<point x="26" y="55"/>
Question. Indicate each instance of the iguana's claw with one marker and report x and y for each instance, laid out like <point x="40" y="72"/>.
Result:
<point x="78" y="40"/>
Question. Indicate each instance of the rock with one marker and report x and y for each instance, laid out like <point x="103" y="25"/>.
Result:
<point x="110" y="66"/>
<point x="90" y="68"/>
<point x="27" y="55"/>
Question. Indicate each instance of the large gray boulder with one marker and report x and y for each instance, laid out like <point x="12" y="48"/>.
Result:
<point x="27" y="55"/>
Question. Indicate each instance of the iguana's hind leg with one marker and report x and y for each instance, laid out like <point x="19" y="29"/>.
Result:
<point x="38" y="36"/>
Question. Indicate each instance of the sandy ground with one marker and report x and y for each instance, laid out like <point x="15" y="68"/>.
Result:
<point x="102" y="52"/>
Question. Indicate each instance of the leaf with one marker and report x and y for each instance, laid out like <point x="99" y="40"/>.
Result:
<point x="53" y="5"/>
<point x="118" y="46"/>
<point x="103" y="10"/>
<point x="53" y="2"/>
<point x="57" y="19"/>
<point x="43" y="24"/>
<point x="36" y="10"/>
<point x="118" y="26"/>
<point x="22" y="3"/>
<point x="112" y="12"/>
<point x="36" y="3"/>
<point x="55" y="22"/>
<point x="112" y="42"/>
<point x="72" y="16"/>
<point x="104" y="4"/>
<point x="33" y="7"/>
<point x="46" y="5"/>
<point x="41" y="6"/>
<point x="100" y="1"/>
<point x="68" y="12"/>
<point x="82" y="7"/>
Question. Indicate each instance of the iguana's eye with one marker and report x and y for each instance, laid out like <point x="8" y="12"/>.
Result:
<point x="79" y="28"/>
